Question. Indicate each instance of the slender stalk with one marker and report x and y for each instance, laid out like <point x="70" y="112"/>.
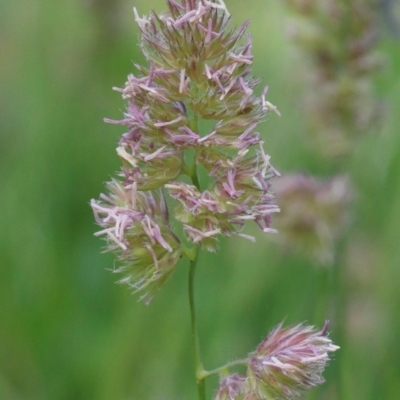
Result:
<point x="195" y="177"/>
<point x="194" y="126"/>
<point x="322" y="301"/>
<point x="323" y="294"/>
<point x="199" y="370"/>
<point x="201" y="387"/>
<point x="332" y="293"/>
<point x="224" y="368"/>
<point x="339" y="293"/>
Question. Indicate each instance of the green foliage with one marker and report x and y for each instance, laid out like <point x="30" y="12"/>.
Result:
<point x="67" y="332"/>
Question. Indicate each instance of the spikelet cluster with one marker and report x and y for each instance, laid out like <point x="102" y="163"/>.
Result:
<point x="314" y="214"/>
<point x="338" y="39"/>
<point x="288" y="362"/>
<point x="198" y="70"/>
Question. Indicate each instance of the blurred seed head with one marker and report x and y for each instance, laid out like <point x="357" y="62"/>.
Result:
<point x="314" y="214"/>
<point x="338" y="39"/>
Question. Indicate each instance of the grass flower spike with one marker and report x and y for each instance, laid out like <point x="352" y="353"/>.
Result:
<point x="339" y="37"/>
<point x="198" y="71"/>
<point x="137" y="228"/>
<point x="194" y="108"/>
<point x="289" y="361"/>
<point x="232" y="387"/>
<point x="315" y="213"/>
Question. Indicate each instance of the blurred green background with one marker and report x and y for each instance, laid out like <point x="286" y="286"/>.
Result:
<point x="67" y="332"/>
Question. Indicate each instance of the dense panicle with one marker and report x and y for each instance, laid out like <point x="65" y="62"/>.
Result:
<point x="339" y="37"/>
<point x="197" y="70"/>
<point x="289" y="361"/>
<point x="137" y="228"/>
<point x="316" y="213"/>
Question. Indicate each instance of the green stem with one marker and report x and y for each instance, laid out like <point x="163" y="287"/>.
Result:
<point x="339" y="292"/>
<point x="224" y="368"/>
<point x="201" y="386"/>
<point x="191" y="171"/>
<point x="194" y="176"/>
<point x="332" y="300"/>
<point x="193" y="120"/>
<point x="323" y="294"/>
<point x="322" y="301"/>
